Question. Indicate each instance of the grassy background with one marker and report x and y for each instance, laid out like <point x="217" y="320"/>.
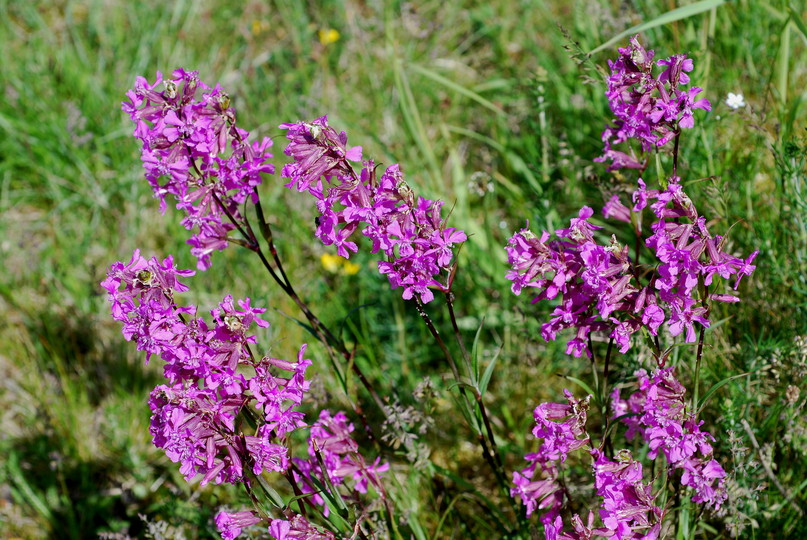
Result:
<point x="485" y="105"/>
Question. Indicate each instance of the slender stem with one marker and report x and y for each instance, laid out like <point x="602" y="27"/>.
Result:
<point x="605" y="371"/>
<point x="488" y="428"/>
<point x="699" y="356"/>
<point x="657" y="343"/>
<point x="298" y="493"/>
<point x="491" y="453"/>
<point x="439" y="339"/>
<point x="266" y="232"/>
<point x="251" y="239"/>
<point x="450" y="303"/>
<point x="606" y="403"/>
<point x="324" y="335"/>
<point x="257" y="503"/>
<point x="598" y="397"/>
<point x="323" y="332"/>
<point x="675" y="154"/>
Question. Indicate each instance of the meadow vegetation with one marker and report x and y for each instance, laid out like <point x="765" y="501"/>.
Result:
<point x="494" y="107"/>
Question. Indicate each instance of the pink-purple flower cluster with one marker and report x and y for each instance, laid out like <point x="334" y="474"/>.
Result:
<point x="650" y="109"/>
<point x="330" y="441"/>
<point x="193" y="151"/>
<point x="213" y="377"/>
<point x="330" y="444"/>
<point x="408" y="230"/>
<point x="627" y="510"/>
<point x="296" y="527"/>
<point x="601" y="289"/>
<point x="661" y="417"/>
<point x="562" y="428"/>
<point x="194" y="415"/>
<point x="230" y="524"/>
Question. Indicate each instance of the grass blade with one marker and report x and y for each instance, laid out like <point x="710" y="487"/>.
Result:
<point x="796" y="18"/>
<point x="483" y="384"/>
<point x="676" y="14"/>
<point x="448" y="83"/>
<point x="475" y="355"/>
<point x="581" y="384"/>
<point x="717" y="386"/>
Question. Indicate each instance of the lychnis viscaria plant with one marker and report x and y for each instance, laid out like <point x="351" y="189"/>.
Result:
<point x="228" y="414"/>
<point x="670" y="283"/>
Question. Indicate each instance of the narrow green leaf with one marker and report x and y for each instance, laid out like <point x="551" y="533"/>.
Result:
<point x="414" y="122"/>
<point x="335" y="503"/>
<point x="477" y="136"/>
<point x="475" y="355"/>
<point x="775" y="13"/>
<point x="483" y="384"/>
<point x="521" y="166"/>
<point x="513" y="160"/>
<point x="796" y="18"/>
<point x="18" y="481"/>
<point x="445" y="515"/>
<point x="470" y="415"/>
<point x="274" y="496"/>
<point x="330" y="493"/>
<point x="493" y="508"/>
<point x="581" y="384"/>
<point x="676" y="14"/>
<point x="448" y="83"/>
<point x="783" y="61"/>
<point x="717" y="386"/>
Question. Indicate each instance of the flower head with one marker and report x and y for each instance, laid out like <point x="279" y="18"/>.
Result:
<point x="410" y="232"/>
<point x="193" y="151"/>
<point x="651" y="109"/>
<point x="735" y="101"/>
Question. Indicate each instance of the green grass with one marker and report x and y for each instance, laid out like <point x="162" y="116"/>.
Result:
<point x="491" y="93"/>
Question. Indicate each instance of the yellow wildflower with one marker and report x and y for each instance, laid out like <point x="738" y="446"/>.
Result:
<point x="335" y="264"/>
<point x="328" y="36"/>
<point x="351" y="268"/>
<point x="330" y="262"/>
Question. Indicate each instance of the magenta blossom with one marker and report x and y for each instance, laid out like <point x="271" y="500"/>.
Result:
<point x="409" y="231"/>
<point x="194" y="152"/>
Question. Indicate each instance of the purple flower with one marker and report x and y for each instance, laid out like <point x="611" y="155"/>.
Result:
<point x="669" y="428"/>
<point x="207" y="365"/>
<point x="409" y="231"/>
<point x="599" y="286"/>
<point x="205" y="161"/>
<point x="559" y="438"/>
<point x="647" y="108"/>
<point x="627" y="510"/>
<point x="230" y="524"/>
<point x="331" y="441"/>
<point x="298" y="528"/>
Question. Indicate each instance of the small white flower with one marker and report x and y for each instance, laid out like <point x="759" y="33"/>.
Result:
<point x="735" y="101"/>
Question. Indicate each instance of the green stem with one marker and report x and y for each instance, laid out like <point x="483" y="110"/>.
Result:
<point x="699" y="355"/>
<point x="490" y="453"/>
